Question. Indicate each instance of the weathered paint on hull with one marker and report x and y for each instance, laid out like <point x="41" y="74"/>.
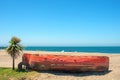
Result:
<point x="65" y="62"/>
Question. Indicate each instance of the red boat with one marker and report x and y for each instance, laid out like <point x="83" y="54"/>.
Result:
<point x="65" y="62"/>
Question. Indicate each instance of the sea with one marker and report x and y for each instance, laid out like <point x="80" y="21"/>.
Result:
<point x="76" y="49"/>
<point x="90" y="49"/>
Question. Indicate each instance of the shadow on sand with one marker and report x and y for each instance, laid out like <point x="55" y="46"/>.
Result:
<point x="65" y="73"/>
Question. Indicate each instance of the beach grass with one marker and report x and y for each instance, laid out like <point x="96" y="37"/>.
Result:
<point x="9" y="74"/>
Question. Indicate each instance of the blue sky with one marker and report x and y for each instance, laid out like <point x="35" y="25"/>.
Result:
<point x="61" y="22"/>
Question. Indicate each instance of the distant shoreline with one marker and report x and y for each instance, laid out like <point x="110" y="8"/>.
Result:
<point x="62" y="53"/>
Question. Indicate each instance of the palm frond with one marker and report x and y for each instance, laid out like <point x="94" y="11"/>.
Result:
<point x="15" y="48"/>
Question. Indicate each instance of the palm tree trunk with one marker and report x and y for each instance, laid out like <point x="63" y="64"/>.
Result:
<point x="13" y="62"/>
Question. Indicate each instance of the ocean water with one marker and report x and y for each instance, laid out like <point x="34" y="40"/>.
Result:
<point x="110" y="50"/>
<point x="77" y="49"/>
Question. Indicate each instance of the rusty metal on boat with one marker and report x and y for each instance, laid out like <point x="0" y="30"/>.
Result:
<point x="65" y="62"/>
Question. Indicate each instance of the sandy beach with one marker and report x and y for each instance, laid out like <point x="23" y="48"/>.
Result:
<point x="112" y="74"/>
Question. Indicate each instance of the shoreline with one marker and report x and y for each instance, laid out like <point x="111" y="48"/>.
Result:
<point x="3" y="52"/>
<point x="35" y="51"/>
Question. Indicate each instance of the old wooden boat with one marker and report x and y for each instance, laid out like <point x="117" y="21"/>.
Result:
<point x="65" y="62"/>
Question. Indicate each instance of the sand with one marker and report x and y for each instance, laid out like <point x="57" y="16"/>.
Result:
<point x="112" y="74"/>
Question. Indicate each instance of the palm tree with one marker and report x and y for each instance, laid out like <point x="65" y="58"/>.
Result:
<point x="14" y="49"/>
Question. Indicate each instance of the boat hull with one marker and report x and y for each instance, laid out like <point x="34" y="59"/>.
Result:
<point x="65" y="62"/>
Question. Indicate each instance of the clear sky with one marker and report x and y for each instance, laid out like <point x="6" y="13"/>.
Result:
<point x="61" y="22"/>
